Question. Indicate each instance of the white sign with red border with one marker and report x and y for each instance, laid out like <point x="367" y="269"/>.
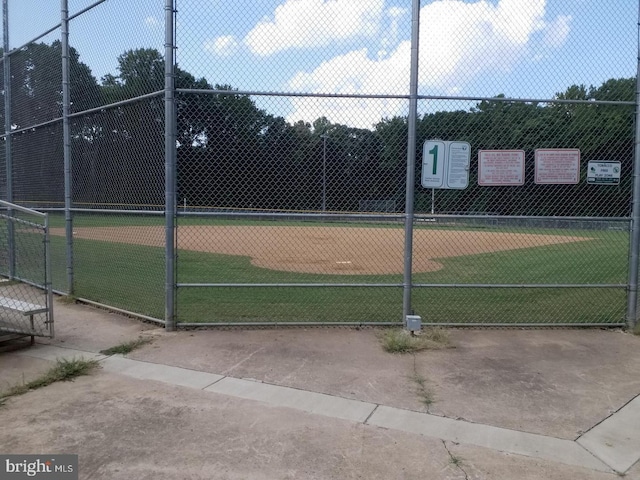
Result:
<point x="500" y="167"/>
<point x="557" y="166"/>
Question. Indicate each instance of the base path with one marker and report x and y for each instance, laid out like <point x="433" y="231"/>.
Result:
<point x="329" y="250"/>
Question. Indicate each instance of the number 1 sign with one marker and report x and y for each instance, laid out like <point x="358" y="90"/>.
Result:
<point x="445" y="164"/>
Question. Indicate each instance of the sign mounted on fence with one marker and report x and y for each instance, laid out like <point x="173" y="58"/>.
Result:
<point x="603" y="173"/>
<point x="500" y="167"/>
<point x="557" y="166"/>
<point x="445" y="164"/>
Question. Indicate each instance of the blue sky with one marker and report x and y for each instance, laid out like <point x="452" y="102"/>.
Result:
<point x="522" y="48"/>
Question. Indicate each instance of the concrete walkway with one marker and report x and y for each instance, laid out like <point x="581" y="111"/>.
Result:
<point x="611" y="446"/>
<point x="329" y="403"/>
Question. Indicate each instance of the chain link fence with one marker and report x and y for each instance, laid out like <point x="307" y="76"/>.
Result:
<point x="290" y="162"/>
<point x="25" y="273"/>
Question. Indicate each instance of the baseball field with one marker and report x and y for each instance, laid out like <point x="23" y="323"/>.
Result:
<point x="119" y="261"/>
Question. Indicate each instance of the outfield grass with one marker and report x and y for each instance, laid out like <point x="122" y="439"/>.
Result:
<point x="132" y="277"/>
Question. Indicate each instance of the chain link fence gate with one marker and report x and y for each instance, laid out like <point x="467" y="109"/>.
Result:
<point x="260" y="176"/>
<point x="26" y="301"/>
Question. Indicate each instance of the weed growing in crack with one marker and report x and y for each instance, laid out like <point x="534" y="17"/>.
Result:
<point x="455" y="460"/>
<point x="63" y="371"/>
<point x="126" y="347"/>
<point x="422" y="390"/>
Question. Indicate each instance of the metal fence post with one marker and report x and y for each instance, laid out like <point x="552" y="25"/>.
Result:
<point x="411" y="161"/>
<point x="66" y="132"/>
<point x="634" y="251"/>
<point x="7" y="98"/>
<point x="48" y="274"/>
<point x="7" y="130"/>
<point x="170" y="168"/>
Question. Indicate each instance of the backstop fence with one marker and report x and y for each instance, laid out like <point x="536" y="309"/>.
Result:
<point x="331" y="161"/>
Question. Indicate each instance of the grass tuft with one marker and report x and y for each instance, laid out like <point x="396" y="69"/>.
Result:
<point x="425" y="394"/>
<point x="63" y="371"/>
<point x="126" y="347"/>
<point x="401" y="341"/>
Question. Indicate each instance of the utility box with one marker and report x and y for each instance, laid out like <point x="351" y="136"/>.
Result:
<point x="414" y="323"/>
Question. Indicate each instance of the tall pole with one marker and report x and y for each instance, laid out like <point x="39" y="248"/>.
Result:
<point x="324" y="172"/>
<point x="634" y="251"/>
<point x="411" y="161"/>
<point x="433" y="201"/>
<point x="7" y="97"/>
<point x="66" y="135"/>
<point x="170" y="167"/>
<point x="6" y="66"/>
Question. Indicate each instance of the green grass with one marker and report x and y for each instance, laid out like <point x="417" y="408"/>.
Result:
<point x="424" y="393"/>
<point x="395" y="340"/>
<point x="63" y="370"/>
<point x="131" y="277"/>
<point x="126" y="347"/>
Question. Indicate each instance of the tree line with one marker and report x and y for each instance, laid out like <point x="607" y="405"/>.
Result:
<point x="232" y="154"/>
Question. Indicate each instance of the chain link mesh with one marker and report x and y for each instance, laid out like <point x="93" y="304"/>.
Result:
<point x="29" y="19"/>
<point x="119" y="157"/>
<point x="36" y="79"/>
<point x="291" y="142"/>
<point x="24" y="304"/>
<point x="3" y="171"/>
<point x="126" y="62"/>
<point x="119" y="261"/>
<point x="600" y="132"/>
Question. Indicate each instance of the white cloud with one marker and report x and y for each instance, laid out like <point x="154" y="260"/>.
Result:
<point x="390" y="39"/>
<point x="353" y="73"/>
<point x="313" y="23"/>
<point x="459" y="41"/>
<point x="556" y="33"/>
<point x="152" y="22"/>
<point x="222" y="46"/>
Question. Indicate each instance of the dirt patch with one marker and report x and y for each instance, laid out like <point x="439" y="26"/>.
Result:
<point x="327" y="250"/>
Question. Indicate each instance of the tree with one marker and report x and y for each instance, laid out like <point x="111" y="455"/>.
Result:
<point x="36" y="98"/>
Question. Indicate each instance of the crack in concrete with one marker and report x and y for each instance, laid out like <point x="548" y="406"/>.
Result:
<point x="426" y="396"/>
<point x="455" y="461"/>
<point x="247" y="358"/>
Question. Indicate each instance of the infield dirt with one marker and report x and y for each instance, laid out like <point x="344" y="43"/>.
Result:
<point x="327" y="250"/>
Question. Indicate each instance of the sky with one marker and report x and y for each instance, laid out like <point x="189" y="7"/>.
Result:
<point x="520" y="48"/>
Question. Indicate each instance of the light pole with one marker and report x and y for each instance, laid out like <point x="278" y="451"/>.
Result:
<point x="324" y="171"/>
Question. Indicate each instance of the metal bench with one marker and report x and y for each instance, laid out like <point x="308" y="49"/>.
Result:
<point x="25" y="308"/>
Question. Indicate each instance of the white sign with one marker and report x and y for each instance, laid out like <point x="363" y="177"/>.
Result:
<point x="445" y="164"/>
<point x="557" y="166"/>
<point x="603" y="173"/>
<point x="500" y="167"/>
<point x="433" y="154"/>
<point x="458" y="165"/>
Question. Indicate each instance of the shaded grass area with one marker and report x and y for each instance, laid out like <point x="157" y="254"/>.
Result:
<point x="126" y="347"/>
<point x="63" y="370"/>
<point x="131" y="277"/>
<point x="290" y="304"/>
<point x="540" y="306"/>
